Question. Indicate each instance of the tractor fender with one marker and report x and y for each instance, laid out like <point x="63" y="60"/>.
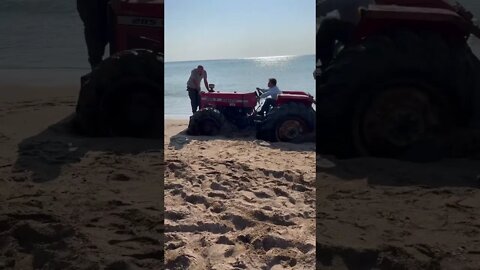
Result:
<point x="379" y="19"/>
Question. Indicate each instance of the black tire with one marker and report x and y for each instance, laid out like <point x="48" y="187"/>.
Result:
<point x="443" y="70"/>
<point x="287" y="123"/>
<point x="206" y="122"/>
<point x="125" y="84"/>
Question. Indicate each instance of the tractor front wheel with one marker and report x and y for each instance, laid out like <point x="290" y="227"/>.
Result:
<point x="132" y="107"/>
<point x="123" y="96"/>
<point x="206" y="122"/>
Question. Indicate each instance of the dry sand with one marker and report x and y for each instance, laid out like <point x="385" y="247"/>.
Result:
<point x="69" y="202"/>
<point x="387" y="214"/>
<point x="238" y="203"/>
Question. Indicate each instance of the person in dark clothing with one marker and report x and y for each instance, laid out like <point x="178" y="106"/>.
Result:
<point x="193" y="86"/>
<point x="336" y="29"/>
<point x="331" y="31"/>
<point x="93" y="14"/>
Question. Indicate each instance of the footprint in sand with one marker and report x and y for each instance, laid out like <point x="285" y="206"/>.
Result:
<point x="239" y="222"/>
<point x="276" y="218"/>
<point x="142" y="240"/>
<point x="175" y="164"/>
<point x="155" y="255"/>
<point x="120" y="177"/>
<point x="217" y="186"/>
<point x="38" y="234"/>
<point x="197" y="199"/>
<point x="282" y="262"/>
<point x="280" y="192"/>
<point x="224" y="240"/>
<point x="175" y="215"/>
<point x="168" y="186"/>
<point x="301" y="188"/>
<point x="268" y="242"/>
<point x="217" y="207"/>
<point x="262" y="194"/>
<point x="215" y="228"/>
<point x="180" y="262"/>
<point x="268" y="173"/>
<point x="174" y="245"/>
<point x="217" y="195"/>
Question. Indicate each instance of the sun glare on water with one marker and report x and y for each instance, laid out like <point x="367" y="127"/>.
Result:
<point x="272" y="60"/>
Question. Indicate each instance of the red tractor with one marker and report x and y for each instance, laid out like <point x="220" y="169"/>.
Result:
<point x="408" y="81"/>
<point x="288" y="120"/>
<point x="124" y="95"/>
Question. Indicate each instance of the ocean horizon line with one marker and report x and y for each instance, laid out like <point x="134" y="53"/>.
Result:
<point x="241" y="58"/>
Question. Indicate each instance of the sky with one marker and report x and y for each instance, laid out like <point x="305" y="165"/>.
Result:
<point x="229" y="29"/>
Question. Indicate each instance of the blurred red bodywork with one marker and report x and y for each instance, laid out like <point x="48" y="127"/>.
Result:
<point x="432" y="15"/>
<point x="226" y="99"/>
<point x="137" y="25"/>
<point x="249" y="100"/>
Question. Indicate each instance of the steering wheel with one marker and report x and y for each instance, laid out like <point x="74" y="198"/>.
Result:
<point x="258" y="92"/>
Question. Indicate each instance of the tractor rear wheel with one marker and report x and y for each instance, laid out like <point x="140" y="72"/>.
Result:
<point x="123" y="96"/>
<point x="393" y="93"/>
<point x="398" y="117"/>
<point x="206" y="122"/>
<point x="286" y="123"/>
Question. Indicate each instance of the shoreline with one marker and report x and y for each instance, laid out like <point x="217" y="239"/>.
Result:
<point x="176" y="117"/>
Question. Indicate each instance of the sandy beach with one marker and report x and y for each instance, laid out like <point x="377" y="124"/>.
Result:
<point x="70" y="202"/>
<point x="238" y="203"/>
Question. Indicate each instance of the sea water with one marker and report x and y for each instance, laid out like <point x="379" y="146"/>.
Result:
<point x="41" y="43"/>
<point x="240" y="75"/>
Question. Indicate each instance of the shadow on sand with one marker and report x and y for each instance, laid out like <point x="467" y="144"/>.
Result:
<point x="307" y="143"/>
<point x="390" y="172"/>
<point x="47" y="152"/>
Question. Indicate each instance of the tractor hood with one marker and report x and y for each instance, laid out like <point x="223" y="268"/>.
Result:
<point x="228" y="99"/>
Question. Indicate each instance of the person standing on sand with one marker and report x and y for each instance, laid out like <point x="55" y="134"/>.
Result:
<point x="270" y="95"/>
<point x="193" y="86"/>
<point x="93" y="14"/>
<point x="336" y="29"/>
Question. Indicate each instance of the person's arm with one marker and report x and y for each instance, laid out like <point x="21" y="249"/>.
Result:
<point x="205" y="79"/>
<point x="266" y="94"/>
<point x="274" y="92"/>
<point x="261" y="90"/>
